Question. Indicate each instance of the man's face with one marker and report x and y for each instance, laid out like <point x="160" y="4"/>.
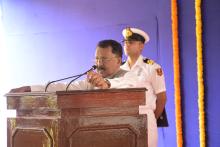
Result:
<point x="107" y="63"/>
<point x="133" y="48"/>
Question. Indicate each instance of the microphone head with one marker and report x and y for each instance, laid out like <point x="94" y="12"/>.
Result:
<point x="94" y="67"/>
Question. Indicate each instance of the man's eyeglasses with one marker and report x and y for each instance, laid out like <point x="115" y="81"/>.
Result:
<point x="103" y="59"/>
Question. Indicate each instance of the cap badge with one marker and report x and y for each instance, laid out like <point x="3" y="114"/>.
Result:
<point x="128" y="32"/>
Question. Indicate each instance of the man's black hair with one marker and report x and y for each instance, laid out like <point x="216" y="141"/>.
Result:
<point x="116" y="46"/>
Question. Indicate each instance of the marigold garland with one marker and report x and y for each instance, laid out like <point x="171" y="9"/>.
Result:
<point x="200" y="73"/>
<point x="176" y="67"/>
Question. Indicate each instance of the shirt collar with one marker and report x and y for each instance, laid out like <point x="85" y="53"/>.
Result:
<point x="139" y="62"/>
<point x="117" y="74"/>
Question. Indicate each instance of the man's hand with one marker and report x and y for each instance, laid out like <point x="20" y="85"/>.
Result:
<point x="160" y="104"/>
<point x="21" y="89"/>
<point x="97" y="80"/>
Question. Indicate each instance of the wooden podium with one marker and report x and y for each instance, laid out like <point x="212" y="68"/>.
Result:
<point x="97" y="118"/>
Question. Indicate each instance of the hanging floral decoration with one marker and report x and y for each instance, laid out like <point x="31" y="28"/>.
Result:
<point x="198" y="18"/>
<point x="176" y="67"/>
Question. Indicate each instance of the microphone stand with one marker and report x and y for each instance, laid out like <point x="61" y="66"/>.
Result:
<point x="78" y="76"/>
<point x="75" y="76"/>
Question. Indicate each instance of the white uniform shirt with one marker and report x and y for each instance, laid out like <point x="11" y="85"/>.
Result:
<point x="150" y="76"/>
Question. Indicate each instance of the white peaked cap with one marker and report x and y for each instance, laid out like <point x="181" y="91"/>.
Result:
<point x="137" y="31"/>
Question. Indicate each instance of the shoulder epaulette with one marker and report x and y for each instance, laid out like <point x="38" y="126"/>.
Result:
<point x="148" y="61"/>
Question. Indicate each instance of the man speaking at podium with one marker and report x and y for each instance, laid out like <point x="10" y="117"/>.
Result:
<point x="108" y="74"/>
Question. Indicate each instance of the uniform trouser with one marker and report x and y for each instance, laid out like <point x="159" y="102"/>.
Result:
<point x="152" y="133"/>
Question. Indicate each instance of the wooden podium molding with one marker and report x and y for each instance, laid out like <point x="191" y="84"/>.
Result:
<point x="97" y="118"/>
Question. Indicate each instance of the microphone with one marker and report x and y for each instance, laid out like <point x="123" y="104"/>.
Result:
<point x="75" y="76"/>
